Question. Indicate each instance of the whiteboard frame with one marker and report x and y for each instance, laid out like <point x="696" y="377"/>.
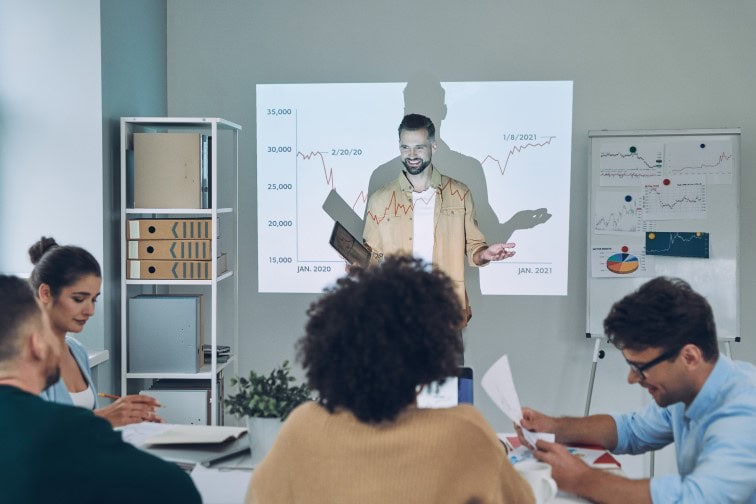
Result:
<point x="727" y="329"/>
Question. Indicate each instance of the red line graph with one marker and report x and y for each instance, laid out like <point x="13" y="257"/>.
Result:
<point x="396" y="208"/>
<point x="514" y="150"/>
<point x="328" y="175"/>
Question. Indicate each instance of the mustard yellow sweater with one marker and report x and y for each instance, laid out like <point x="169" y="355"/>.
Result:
<point x="425" y="456"/>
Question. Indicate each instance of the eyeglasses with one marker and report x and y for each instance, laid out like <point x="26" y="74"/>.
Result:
<point x="640" y="368"/>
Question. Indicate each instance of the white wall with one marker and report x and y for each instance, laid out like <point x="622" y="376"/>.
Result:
<point x="635" y="65"/>
<point x="50" y="132"/>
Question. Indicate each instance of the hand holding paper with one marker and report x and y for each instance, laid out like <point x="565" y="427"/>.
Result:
<point x="499" y="385"/>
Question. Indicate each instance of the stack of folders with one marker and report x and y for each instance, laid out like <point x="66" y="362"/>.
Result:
<point x="222" y="352"/>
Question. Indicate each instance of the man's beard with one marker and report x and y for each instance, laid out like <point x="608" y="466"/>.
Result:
<point x="416" y="170"/>
<point x="52" y="376"/>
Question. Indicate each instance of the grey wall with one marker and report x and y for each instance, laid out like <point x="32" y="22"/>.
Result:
<point x="133" y="84"/>
<point x="635" y="65"/>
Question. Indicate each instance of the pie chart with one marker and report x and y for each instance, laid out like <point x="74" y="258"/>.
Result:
<point x="622" y="264"/>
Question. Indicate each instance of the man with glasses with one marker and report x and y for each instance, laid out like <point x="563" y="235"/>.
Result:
<point x="704" y="403"/>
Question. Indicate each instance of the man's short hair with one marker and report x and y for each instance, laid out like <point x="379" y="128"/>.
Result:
<point x="378" y="334"/>
<point x="17" y="307"/>
<point x="663" y="313"/>
<point x="415" y="122"/>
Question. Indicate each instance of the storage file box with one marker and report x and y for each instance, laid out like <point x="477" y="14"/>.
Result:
<point x="165" y="333"/>
<point x="169" y="229"/>
<point x="169" y="270"/>
<point x="195" y="250"/>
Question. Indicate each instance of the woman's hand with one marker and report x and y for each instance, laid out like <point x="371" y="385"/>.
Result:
<point x="130" y="409"/>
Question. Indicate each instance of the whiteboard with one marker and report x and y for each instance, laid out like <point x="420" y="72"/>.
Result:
<point x="676" y="191"/>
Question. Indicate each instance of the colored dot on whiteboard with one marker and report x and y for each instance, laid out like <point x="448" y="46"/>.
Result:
<point x="633" y="149"/>
<point x="703" y="146"/>
<point x="625" y="249"/>
<point x="698" y="234"/>
<point x="651" y="236"/>
<point x="628" y="198"/>
<point x="666" y="181"/>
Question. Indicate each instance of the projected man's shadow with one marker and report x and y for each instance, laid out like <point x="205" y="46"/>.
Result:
<point x="424" y="95"/>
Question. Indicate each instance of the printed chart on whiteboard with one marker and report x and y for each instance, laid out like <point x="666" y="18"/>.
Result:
<point x="641" y="185"/>
<point x="664" y="202"/>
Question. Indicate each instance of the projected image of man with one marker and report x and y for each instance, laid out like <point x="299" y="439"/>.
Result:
<point x="427" y="214"/>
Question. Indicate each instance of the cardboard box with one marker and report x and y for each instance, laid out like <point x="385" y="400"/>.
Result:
<point x="170" y="170"/>
<point x="197" y="250"/>
<point x="165" y="333"/>
<point x="169" y="270"/>
<point x="169" y="229"/>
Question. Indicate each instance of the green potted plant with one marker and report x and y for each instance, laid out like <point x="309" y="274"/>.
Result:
<point x="265" y="401"/>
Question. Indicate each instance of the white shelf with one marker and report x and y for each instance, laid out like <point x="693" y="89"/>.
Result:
<point x="221" y="277"/>
<point x="204" y="373"/>
<point x="177" y="211"/>
<point x="97" y="357"/>
<point x="181" y="121"/>
<point x="224" y="174"/>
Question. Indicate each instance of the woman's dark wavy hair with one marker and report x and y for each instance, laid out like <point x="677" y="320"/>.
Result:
<point x="377" y="334"/>
<point x="665" y="313"/>
<point x="60" y="266"/>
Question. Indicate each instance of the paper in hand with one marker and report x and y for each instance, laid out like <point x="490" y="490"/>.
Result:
<point x="499" y="385"/>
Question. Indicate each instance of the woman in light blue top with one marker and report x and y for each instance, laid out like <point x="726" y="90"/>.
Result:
<point x="67" y="281"/>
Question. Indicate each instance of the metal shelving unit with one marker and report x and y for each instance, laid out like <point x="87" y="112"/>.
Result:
<point x="224" y="288"/>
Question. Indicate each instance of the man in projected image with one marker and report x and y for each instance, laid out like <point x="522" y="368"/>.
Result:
<point x="704" y="403"/>
<point x="427" y="214"/>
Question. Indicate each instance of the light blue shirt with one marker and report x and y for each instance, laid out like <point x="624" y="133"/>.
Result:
<point x="715" y="439"/>
<point x="58" y="392"/>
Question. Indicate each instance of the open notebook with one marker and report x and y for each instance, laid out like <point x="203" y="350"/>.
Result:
<point x="188" y="445"/>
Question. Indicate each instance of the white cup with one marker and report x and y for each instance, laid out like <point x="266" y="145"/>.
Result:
<point x="538" y="476"/>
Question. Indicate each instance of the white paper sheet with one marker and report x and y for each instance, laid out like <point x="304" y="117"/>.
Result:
<point x="499" y="385"/>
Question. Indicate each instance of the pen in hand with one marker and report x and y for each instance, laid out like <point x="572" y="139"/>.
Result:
<point x="109" y="396"/>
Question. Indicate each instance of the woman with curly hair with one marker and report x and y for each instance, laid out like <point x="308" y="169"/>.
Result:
<point x="371" y="342"/>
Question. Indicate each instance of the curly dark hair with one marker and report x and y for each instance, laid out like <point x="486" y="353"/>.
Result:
<point x="60" y="266"/>
<point x="663" y="313"/>
<point x="377" y="334"/>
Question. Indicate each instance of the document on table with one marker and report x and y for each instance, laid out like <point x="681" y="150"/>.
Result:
<point x="150" y="433"/>
<point x="196" y="434"/>
<point x="499" y="385"/>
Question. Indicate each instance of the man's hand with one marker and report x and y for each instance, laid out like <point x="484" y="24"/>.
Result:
<point x="535" y="421"/>
<point x="494" y="252"/>
<point x="566" y="469"/>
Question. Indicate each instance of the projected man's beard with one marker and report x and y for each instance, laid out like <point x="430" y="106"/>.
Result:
<point x="415" y="169"/>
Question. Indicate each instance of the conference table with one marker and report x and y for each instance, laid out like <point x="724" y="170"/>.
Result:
<point x="228" y="481"/>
